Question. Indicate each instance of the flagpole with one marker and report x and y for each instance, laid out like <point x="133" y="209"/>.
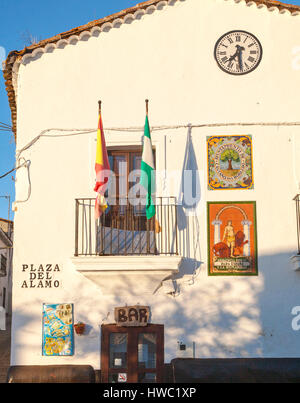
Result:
<point x="147" y="221"/>
<point x="147" y="106"/>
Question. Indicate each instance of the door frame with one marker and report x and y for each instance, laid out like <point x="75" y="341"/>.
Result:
<point x="132" y="369"/>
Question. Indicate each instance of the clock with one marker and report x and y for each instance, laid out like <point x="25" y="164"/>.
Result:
<point x="238" y="52"/>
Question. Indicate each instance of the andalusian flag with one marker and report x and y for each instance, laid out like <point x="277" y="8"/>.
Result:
<point x="102" y="169"/>
<point x="147" y="171"/>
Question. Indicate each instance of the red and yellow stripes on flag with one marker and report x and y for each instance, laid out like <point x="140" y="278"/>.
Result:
<point x="102" y="169"/>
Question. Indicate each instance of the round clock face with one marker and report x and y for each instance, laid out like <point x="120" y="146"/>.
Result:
<point x="238" y="52"/>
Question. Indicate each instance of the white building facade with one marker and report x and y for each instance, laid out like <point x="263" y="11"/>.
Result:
<point x="167" y="52"/>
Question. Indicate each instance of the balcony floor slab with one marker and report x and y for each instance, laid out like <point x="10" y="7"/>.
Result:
<point x="133" y="275"/>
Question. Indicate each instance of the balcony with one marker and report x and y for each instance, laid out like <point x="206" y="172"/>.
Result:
<point x="124" y="229"/>
<point x="124" y="244"/>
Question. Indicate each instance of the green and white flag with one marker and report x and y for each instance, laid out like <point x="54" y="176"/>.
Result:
<point x="147" y="171"/>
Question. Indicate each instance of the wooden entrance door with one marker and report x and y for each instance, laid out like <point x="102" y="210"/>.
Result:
<point x="133" y="355"/>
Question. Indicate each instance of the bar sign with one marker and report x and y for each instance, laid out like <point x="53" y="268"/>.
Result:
<point x="132" y="316"/>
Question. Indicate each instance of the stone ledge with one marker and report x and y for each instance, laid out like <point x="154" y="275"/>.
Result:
<point x="132" y="275"/>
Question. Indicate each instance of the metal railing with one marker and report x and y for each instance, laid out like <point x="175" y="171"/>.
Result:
<point x="124" y="229"/>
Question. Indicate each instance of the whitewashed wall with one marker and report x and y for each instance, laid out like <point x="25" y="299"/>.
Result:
<point x="4" y="280"/>
<point x="167" y="57"/>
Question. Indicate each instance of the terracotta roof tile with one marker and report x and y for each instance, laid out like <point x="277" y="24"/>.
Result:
<point x="17" y="55"/>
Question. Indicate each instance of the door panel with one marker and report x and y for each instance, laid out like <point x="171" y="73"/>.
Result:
<point x="118" y="350"/>
<point x="147" y="350"/>
<point x="137" y="353"/>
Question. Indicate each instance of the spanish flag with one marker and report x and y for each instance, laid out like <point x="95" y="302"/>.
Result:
<point x="102" y="169"/>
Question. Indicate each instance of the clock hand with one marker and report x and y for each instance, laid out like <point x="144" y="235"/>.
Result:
<point x="238" y="50"/>
<point x="241" y="61"/>
<point x="233" y="57"/>
<point x="240" y="56"/>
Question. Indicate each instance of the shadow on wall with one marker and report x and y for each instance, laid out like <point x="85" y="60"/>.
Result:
<point x="226" y="317"/>
<point x="230" y="316"/>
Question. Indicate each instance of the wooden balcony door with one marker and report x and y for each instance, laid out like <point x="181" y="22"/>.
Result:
<point x="123" y="214"/>
<point x="122" y="163"/>
<point x="132" y="355"/>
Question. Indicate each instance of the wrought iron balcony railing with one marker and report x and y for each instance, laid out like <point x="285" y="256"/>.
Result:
<point x="124" y="229"/>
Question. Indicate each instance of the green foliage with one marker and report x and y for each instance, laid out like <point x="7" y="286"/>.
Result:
<point x="230" y="155"/>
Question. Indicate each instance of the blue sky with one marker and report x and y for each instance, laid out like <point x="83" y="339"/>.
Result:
<point x="41" y="19"/>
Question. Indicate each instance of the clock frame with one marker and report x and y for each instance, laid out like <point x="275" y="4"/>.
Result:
<point x="238" y="52"/>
